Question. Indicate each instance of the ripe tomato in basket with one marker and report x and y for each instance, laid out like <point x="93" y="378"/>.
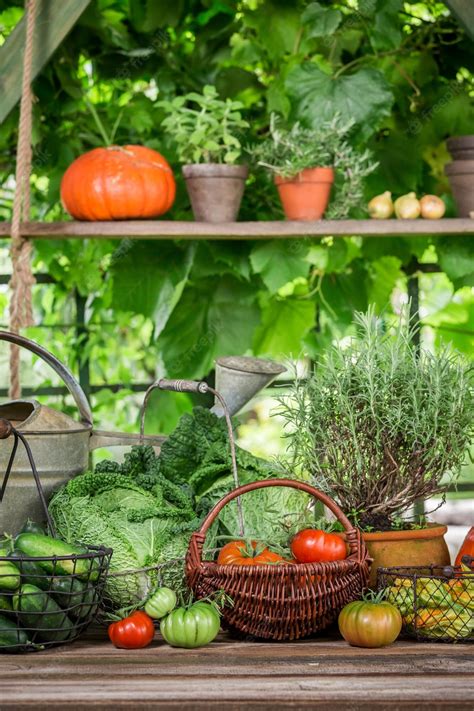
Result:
<point x="314" y="546"/>
<point x="243" y="553"/>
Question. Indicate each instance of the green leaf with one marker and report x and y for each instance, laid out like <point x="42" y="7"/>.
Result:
<point x="276" y="27"/>
<point x="148" y="15"/>
<point x="284" y="324"/>
<point x="279" y="262"/>
<point x="456" y="256"/>
<point x="149" y="278"/>
<point x="216" y="317"/>
<point x="320" y="21"/>
<point x="316" y="96"/>
<point x="342" y="294"/>
<point x="383" y="276"/>
<point x="385" y="32"/>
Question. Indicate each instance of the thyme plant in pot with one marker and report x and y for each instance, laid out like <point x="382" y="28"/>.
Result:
<point x="307" y="162"/>
<point x="206" y="132"/>
<point x="380" y="426"/>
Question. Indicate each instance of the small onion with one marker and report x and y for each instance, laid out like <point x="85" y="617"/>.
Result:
<point x="381" y="206"/>
<point x="407" y="207"/>
<point x="432" y="207"/>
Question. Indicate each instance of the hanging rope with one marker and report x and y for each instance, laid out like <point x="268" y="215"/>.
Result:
<point x="21" y="312"/>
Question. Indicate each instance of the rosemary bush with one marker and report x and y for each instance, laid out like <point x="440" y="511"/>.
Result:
<point x="286" y="152"/>
<point x="378" y="425"/>
<point x="204" y="127"/>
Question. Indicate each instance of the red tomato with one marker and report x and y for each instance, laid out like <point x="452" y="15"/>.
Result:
<point x="239" y="553"/>
<point x="314" y="546"/>
<point x="133" y="632"/>
<point x="467" y="547"/>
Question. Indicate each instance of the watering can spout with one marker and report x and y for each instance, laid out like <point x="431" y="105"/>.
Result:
<point x="239" y="379"/>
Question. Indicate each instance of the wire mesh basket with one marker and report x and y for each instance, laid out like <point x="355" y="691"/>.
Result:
<point x="46" y="600"/>
<point x="436" y="603"/>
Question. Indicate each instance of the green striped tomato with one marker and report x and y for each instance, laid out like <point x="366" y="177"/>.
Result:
<point x="370" y="624"/>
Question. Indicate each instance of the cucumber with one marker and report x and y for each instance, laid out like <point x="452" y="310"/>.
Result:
<point x="11" y="637"/>
<point x="76" y="597"/>
<point x="6" y="604"/>
<point x="37" y="545"/>
<point x="40" y="613"/>
<point x="31" y="573"/>
<point x="9" y="576"/>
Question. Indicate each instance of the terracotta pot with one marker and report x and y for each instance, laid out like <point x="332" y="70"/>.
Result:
<point x="388" y="549"/>
<point x="215" y="190"/>
<point x="306" y="196"/>
<point x="461" y="147"/>
<point x="461" y="179"/>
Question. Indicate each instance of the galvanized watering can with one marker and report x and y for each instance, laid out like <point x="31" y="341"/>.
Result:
<point x="61" y="445"/>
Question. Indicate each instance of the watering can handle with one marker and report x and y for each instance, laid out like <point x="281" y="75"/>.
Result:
<point x="63" y="371"/>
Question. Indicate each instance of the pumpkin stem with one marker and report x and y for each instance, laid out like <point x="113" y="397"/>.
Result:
<point x="106" y="138"/>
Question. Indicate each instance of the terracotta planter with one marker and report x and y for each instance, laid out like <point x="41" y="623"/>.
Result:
<point x="215" y="190"/>
<point x="423" y="546"/>
<point x="461" y="179"/>
<point x="461" y="147"/>
<point x="306" y="196"/>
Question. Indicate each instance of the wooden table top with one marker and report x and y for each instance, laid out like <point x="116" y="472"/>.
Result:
<point x="319" y="674"/>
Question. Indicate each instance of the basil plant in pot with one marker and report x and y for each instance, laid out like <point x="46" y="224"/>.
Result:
<point x="206" y="132"/>
<point x="308" y="162"/>
<point x="379" y="425"/>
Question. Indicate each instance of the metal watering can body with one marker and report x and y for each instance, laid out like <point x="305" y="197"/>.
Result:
<point x="60" y="444"/>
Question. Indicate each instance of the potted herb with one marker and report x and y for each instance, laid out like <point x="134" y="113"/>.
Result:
<point x="380" y="426"/>
<point x="205" y="130"/>
<point x="306" y="162"/>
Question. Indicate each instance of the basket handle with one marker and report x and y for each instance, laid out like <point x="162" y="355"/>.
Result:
<point x="353" y="537"/>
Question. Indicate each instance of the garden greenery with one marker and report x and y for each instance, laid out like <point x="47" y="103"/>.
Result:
<point x="288" y="151"/>
<point x="204" y="128"/>
<point x="379" y="425"/>
<point x="403" y="71"/>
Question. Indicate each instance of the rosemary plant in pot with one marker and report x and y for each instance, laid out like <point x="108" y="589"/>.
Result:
<point x="307" y="162"/>
<point x="205" y="130"/>
<point x="380" y="426"/>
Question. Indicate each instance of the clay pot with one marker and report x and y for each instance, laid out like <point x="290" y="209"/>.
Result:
<point x="461" y="147"/>
<point x="461" y="179"/>
<point x="306" y="196"/>
<point x="215" y="190"/>
<point x="389" y="549"/>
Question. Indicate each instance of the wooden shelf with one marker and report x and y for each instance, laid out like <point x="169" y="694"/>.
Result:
<point x="167" y="229"/>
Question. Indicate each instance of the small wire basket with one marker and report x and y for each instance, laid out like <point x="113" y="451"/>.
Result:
<point x="436" y="603"/>
<point x="46" y="600"/>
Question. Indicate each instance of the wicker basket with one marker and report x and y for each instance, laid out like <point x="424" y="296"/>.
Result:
<point x="280" y="602"/>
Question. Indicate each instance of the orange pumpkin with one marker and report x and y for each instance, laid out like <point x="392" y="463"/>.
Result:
<point x="118" y="183"/>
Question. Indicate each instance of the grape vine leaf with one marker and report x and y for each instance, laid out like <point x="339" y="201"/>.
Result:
<point x="163" y="271"/>
<point x="316" y="96"/>
<point x="320" y="21"/>
<point x="217" y="317"/>
<point x="385" y="32"/>
<point x="456" y="257"/>
<point x="284" y="324"/>
<point x="279" y="262"/>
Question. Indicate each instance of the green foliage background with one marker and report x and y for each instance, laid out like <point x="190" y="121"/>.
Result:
<point x="403" y="71"/>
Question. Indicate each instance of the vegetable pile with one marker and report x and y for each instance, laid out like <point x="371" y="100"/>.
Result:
<point x="146" y="508"/>
<point x="436" y="607"/>
<point x="44" y="599"/>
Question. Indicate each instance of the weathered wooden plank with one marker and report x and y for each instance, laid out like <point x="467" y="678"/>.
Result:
<point x="167" y="229"/>
<point x="203" y="690"/>
<point x="54" y="19"/>
<point x="463" y="11"/>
